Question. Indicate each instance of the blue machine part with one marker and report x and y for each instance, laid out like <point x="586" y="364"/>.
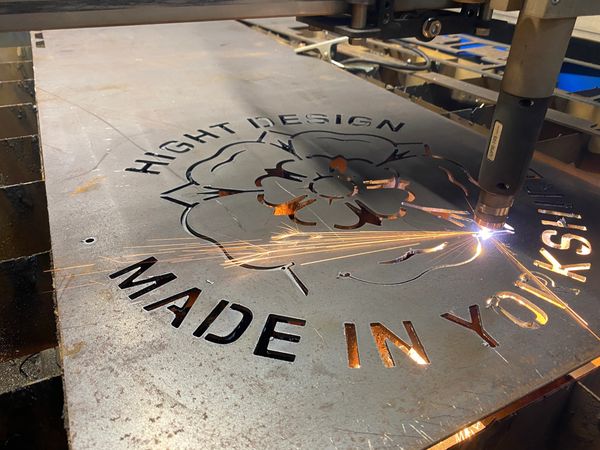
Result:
<point x="574" y="78"/>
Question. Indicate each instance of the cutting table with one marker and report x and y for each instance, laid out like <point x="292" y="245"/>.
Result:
<point x="254" y="249"/>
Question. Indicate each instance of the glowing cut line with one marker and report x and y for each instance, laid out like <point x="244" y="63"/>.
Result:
<point x="552" y="297"/>
<point x="476" y="254"/>
<point x="541" y="318"/>
<point x="417" y="251"/>
<point x="565" y="270"/>
<point x="414" y="355"/>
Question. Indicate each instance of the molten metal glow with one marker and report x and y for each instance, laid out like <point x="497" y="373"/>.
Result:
<point x="414" y="355"/>
<point x="469" y="431"/>
<point x="437" y="248"/>
<point x="485" y="233"/>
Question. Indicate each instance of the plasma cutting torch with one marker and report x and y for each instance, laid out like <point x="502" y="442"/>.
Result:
<point x="538" y="48"/>
<point x="539" y="45"/>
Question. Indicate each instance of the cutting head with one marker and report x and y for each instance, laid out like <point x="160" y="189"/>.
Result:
<point x="492" y="210"/>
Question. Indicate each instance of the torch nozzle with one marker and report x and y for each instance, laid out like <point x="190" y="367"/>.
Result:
<point x="492" y="210"/>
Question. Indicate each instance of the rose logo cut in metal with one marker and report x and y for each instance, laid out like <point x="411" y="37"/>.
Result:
<point x="318" y="192"/>
<point x="386" y="208"/>
<point x="265" y="276"/>
<point x="394" y="211"/>
<point x="355" y="234"/>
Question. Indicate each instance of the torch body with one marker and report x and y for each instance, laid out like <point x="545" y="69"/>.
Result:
<point x="533" y="66"/>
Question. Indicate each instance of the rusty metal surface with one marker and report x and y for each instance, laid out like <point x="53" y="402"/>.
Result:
<point x="175" y="367"/>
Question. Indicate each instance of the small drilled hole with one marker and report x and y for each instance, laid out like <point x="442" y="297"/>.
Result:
<point x="89" y="241"/>
<point x="526" y="102"/>
<point x="503" y="186"/>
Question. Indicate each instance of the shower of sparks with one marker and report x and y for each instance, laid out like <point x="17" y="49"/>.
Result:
<point x="549" y="296"/>
<point x="336" y="245"/>
<point x="291" y="243"/>
<point x="320" y="247"/>
<point x="485" y="233"/>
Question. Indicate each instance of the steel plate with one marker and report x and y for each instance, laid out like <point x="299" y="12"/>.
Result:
<point x="308" y="207"/>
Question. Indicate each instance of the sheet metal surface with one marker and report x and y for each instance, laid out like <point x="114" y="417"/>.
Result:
<point x="133" y="380"/>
